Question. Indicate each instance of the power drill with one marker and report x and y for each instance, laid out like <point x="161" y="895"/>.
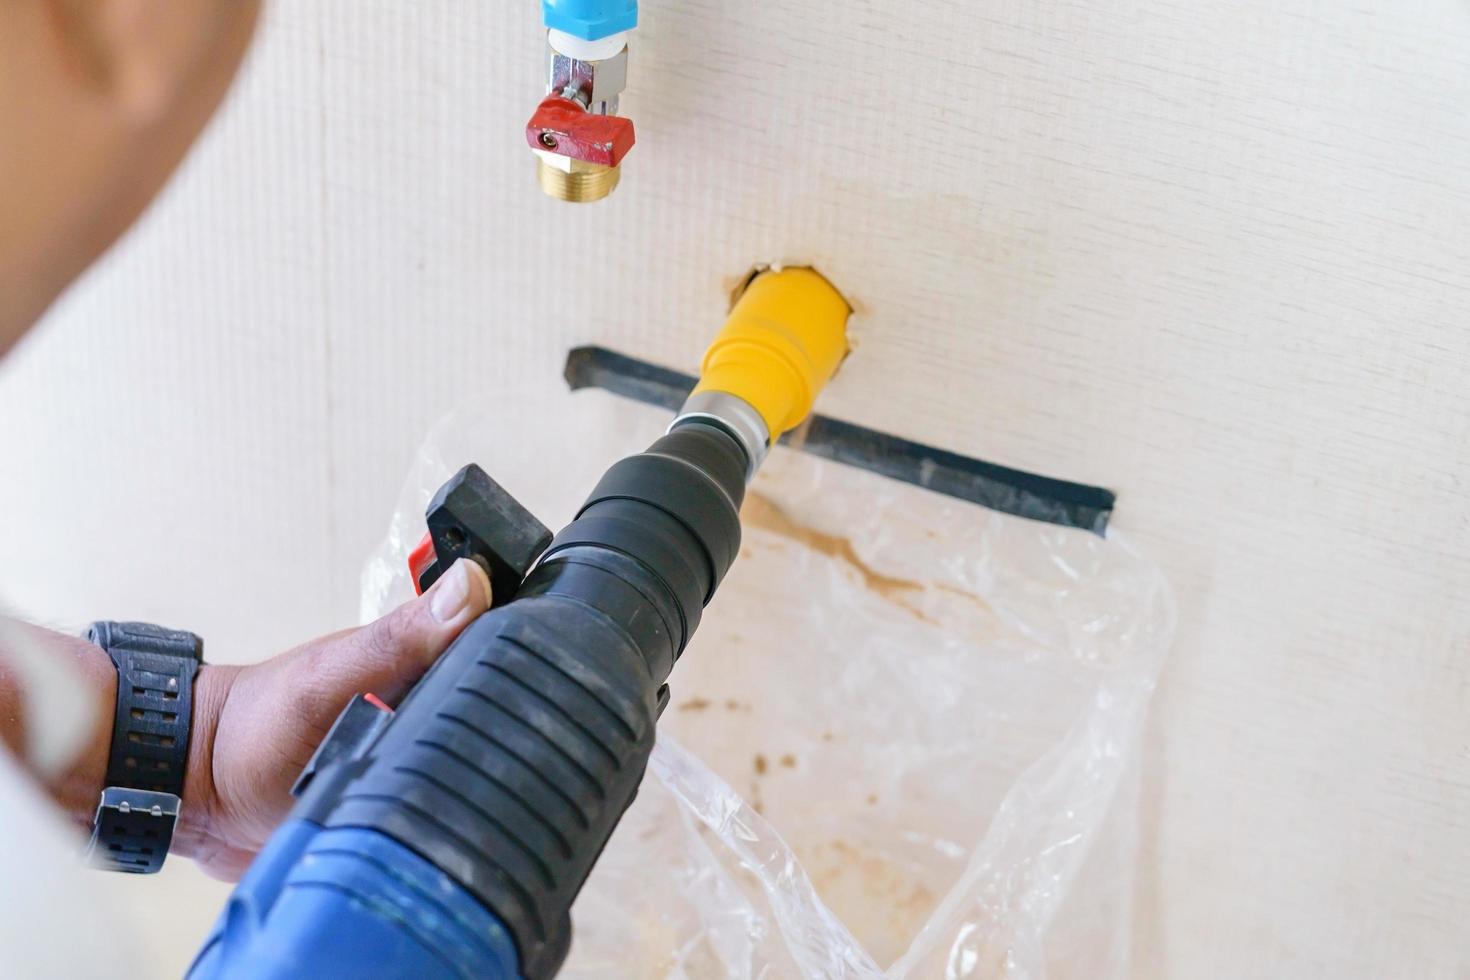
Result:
<point x="449" y="838"/>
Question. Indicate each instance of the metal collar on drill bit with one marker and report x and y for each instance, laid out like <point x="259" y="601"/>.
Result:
<point x="736" y="416"/>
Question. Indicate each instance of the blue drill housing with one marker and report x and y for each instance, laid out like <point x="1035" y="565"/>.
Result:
<point x="590" y="20"/>
<point x="348" y="902"/>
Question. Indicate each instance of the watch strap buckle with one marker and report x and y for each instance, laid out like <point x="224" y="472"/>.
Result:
<point x="132" y="829"/>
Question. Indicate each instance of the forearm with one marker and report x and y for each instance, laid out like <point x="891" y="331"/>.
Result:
<point x="77" y="786"/>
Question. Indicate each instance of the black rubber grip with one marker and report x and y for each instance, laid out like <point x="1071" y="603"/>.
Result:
<point x="511" y="762"/>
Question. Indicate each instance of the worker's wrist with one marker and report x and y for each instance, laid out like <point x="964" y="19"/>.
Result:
<point x="199" y="806"/>
<point x="78" y="787"/>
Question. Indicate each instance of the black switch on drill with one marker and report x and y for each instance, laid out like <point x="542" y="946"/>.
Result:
<point x="474" y="517"/>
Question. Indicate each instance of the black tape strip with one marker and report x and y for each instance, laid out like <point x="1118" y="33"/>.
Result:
<point x="1040" y="498"/>
<point x="598" y="367"/>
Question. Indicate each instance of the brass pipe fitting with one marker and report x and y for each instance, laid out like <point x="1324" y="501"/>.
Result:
<point x="582" y="183"/>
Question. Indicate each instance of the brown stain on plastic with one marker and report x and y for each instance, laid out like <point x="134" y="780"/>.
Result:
<point x="704" y="704"/>
<point x="844" y="872"/>
<point x="762" y="512"/>
<point x="969" y="597"/>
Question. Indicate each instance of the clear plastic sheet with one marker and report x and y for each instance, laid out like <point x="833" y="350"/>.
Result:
<point x="903" y="743"/>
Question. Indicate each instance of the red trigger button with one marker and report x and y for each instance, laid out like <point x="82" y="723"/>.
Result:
<point x="419" y="560"/>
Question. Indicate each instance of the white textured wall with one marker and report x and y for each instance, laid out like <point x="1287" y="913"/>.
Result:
<point x="1213" y="254"/>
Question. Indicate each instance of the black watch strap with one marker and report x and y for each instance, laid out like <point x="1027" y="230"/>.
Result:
<point x="150" y="743"/>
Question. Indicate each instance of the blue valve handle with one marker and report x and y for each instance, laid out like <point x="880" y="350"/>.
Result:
<point x="590" y="20"/>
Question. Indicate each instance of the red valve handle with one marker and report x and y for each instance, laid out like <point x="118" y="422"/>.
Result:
<point x="565" y="128"/>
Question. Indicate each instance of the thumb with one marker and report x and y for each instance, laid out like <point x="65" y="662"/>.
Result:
<point x="391" y="653"/>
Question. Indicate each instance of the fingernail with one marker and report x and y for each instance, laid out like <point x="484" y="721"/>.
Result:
<point x="464" y="584"/>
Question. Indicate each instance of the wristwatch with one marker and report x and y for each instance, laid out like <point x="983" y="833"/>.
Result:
<point x="135" y="818"/>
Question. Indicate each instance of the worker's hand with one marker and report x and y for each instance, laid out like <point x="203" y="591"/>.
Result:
<point x="255" y="727"/>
